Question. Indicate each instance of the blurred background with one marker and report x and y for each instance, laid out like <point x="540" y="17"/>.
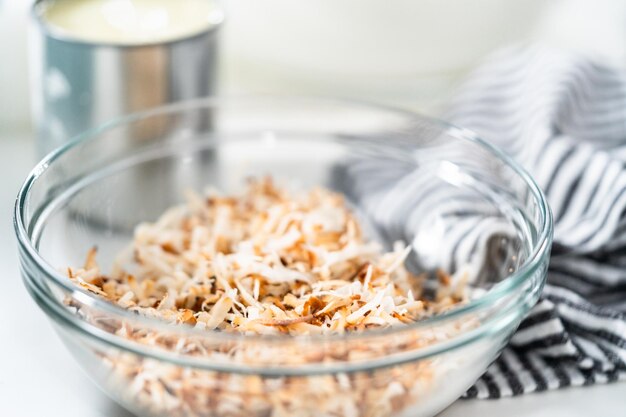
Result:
<point x="411" y="54"/>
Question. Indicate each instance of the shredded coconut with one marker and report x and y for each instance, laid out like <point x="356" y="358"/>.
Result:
<point x="263" y="262"/>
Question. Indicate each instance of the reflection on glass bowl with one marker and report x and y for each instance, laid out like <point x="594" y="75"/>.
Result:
<point x="412" y="178"/>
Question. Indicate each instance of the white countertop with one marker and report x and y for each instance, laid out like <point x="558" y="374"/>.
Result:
<point x="39" y="378"/>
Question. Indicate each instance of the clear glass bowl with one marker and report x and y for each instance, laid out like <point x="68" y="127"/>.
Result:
<point x="460" y="203"/>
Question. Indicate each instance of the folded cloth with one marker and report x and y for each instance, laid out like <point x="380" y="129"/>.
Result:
<point x="563" y="117"/>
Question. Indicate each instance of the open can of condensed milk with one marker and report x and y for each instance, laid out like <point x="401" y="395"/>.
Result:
<point x="96" y="60"/>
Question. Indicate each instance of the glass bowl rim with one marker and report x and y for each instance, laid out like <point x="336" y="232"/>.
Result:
<point x="64" y="318"/>
<point x="507" y="287"/>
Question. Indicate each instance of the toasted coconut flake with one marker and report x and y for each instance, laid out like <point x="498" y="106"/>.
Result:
<point x="218" y="312"/>
<point x="287" y="322"/>
<point x="90" y="261"/>
<point x="399" y="260"/>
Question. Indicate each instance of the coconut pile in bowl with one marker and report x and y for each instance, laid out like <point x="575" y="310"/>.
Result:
<point x="265" y="262"/>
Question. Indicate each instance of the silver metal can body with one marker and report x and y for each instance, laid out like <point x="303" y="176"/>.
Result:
<point x="77" y="85"/>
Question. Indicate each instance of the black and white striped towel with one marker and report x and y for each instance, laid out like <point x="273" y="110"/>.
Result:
<point x="563" y="117"/>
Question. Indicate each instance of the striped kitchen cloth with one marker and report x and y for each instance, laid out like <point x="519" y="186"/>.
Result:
<point x="563" y="117"/>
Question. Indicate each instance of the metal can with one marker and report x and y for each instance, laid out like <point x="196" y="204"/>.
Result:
<point x="78" y="84"/>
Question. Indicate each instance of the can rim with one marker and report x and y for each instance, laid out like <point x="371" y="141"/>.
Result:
<point x="58" y="34"/>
